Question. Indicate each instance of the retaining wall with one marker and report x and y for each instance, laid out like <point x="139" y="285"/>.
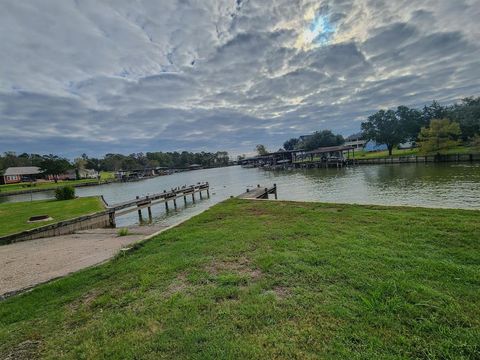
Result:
<point x="421" y="159"/>
<point x="92" y="221"/>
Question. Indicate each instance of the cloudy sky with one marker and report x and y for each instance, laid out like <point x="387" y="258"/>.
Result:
<point x="126" y="76"/>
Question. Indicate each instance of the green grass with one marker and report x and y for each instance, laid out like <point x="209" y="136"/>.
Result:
<point x="410" y="152"/>
<point x="263" y="280"/>
<point x="123" y="232"/>
<point x="42" y="185"/>
<point x="107" y="175"/>
<point x="14" y="216"/>
<point x="25" y="187"/>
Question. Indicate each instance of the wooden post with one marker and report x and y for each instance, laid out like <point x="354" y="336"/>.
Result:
<point x="175" y="203"/>
<point x="276" y="195"/>
<point x="166" y="205"/>
<point x="185" y="200"/>
<point x="208" y="189"/>
<point x="111" y="219"/>
<point x="193" y="196"/>
<point x="140" y="218"/>
<point x="201" y="196"/>
<point x="150" y="217"/>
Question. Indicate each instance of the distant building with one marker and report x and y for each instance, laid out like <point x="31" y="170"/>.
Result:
<point x="304" y="137"/>
<point x="88" y="174"/>
<point x="372" y="146"/>
<point x="407" y="145"/>
<point x="356" y="140"/>
<point x="74" y="174"/>
<point x="19" y="174"/>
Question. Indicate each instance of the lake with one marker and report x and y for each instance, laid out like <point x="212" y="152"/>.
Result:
<point x="451" y="185"/>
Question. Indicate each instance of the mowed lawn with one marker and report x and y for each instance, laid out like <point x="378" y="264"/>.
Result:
<point x="413" y="152"/>
<point x="26" y="187"/>
<point x="261" y="280"/>
<point x="14" y="216"/>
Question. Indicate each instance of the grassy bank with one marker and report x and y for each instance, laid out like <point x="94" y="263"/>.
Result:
<point x="26" y="187"/>
<point x="14" y="216"/>
<point x="250" y="279"/>
<point x="412" y="152"/>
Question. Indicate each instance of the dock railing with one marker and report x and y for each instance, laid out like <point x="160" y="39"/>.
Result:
<point x="146" y="202"/>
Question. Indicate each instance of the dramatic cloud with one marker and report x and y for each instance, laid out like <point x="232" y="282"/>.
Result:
<point x="127" y="76"/>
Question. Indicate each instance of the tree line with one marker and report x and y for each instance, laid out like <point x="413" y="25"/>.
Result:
<point x="53" y="164"/>
<point x="433" y="127"/>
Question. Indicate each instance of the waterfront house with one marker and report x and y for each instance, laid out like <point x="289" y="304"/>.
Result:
<point x="356" y="140"/>
<point x="14" y="175"/>
<point x="88" y="174"/>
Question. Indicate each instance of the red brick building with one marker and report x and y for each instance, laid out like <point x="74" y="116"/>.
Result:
<point x="15" y="175"/>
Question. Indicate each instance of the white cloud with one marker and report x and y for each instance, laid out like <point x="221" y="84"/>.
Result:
<point x="250" y="71"/>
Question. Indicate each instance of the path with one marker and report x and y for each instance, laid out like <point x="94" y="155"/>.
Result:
<point x="29" y="263"/>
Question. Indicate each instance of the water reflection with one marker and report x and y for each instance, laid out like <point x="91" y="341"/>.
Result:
<point x="431" y="185"/>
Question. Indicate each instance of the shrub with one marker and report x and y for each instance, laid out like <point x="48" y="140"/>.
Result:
<point x="65" y="193"/>
<point x="122" y="232"/>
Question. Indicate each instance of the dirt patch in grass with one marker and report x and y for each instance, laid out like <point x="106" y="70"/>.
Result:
<point x="281" y="292"/>
<point x="85" y="300"/>
<point x="26" y="350"/>
<point x="178" y="285"/>
<point x="329" y="209"/>
<point x="241" y="266"/>
<point x="257" y="211"/>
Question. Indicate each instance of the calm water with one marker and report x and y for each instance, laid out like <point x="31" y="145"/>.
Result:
<point x="429" y="185"/>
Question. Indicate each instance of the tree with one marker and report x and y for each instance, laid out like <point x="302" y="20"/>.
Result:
<point x="79" y="164"/>
<point x="439" y="136"/>
<point x="476" y="142"/>
<point x="54" y="165"/>
<point x="467" y="115"/>
<point x="384" y="127"/>
<point x="320" y="139"/>
<point x="411" y="121"/>
<point x="261" y="150"/>
<point x="434" y="111"/>
<point x="290" y="144"/>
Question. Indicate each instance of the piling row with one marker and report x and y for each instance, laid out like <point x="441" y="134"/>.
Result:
<point x="140" y="203"/>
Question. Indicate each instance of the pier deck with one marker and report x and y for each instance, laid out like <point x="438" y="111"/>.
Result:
<point x="148" y="201"/>
<point x="259" y="192"/>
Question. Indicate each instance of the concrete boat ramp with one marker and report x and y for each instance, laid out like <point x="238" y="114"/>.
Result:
<point x="29" y="263"/>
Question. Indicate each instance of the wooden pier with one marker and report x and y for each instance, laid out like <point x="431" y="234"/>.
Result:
<point x="166" y="197"/>
<point x="259" y="193"/>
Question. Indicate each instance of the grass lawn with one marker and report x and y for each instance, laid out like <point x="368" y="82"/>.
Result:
<point x="42" y="185"/>
<point x="409" y="152"/>
<point x="261" y="280"/>
<point x="14" y="216"/>
<point x="107" y="175"/>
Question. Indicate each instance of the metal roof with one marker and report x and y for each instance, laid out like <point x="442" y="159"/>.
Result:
<point x="330" y="149"/>
<point x="23" y="170"/>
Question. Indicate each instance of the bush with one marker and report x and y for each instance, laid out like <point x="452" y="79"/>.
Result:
<point x="122" y="232"/>
<point x="65" y="193"/>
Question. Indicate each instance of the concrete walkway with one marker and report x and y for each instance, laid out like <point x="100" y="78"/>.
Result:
<point x="29" y="263"/>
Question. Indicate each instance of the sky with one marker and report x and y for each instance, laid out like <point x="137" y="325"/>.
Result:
<point x="103" y="76"/>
